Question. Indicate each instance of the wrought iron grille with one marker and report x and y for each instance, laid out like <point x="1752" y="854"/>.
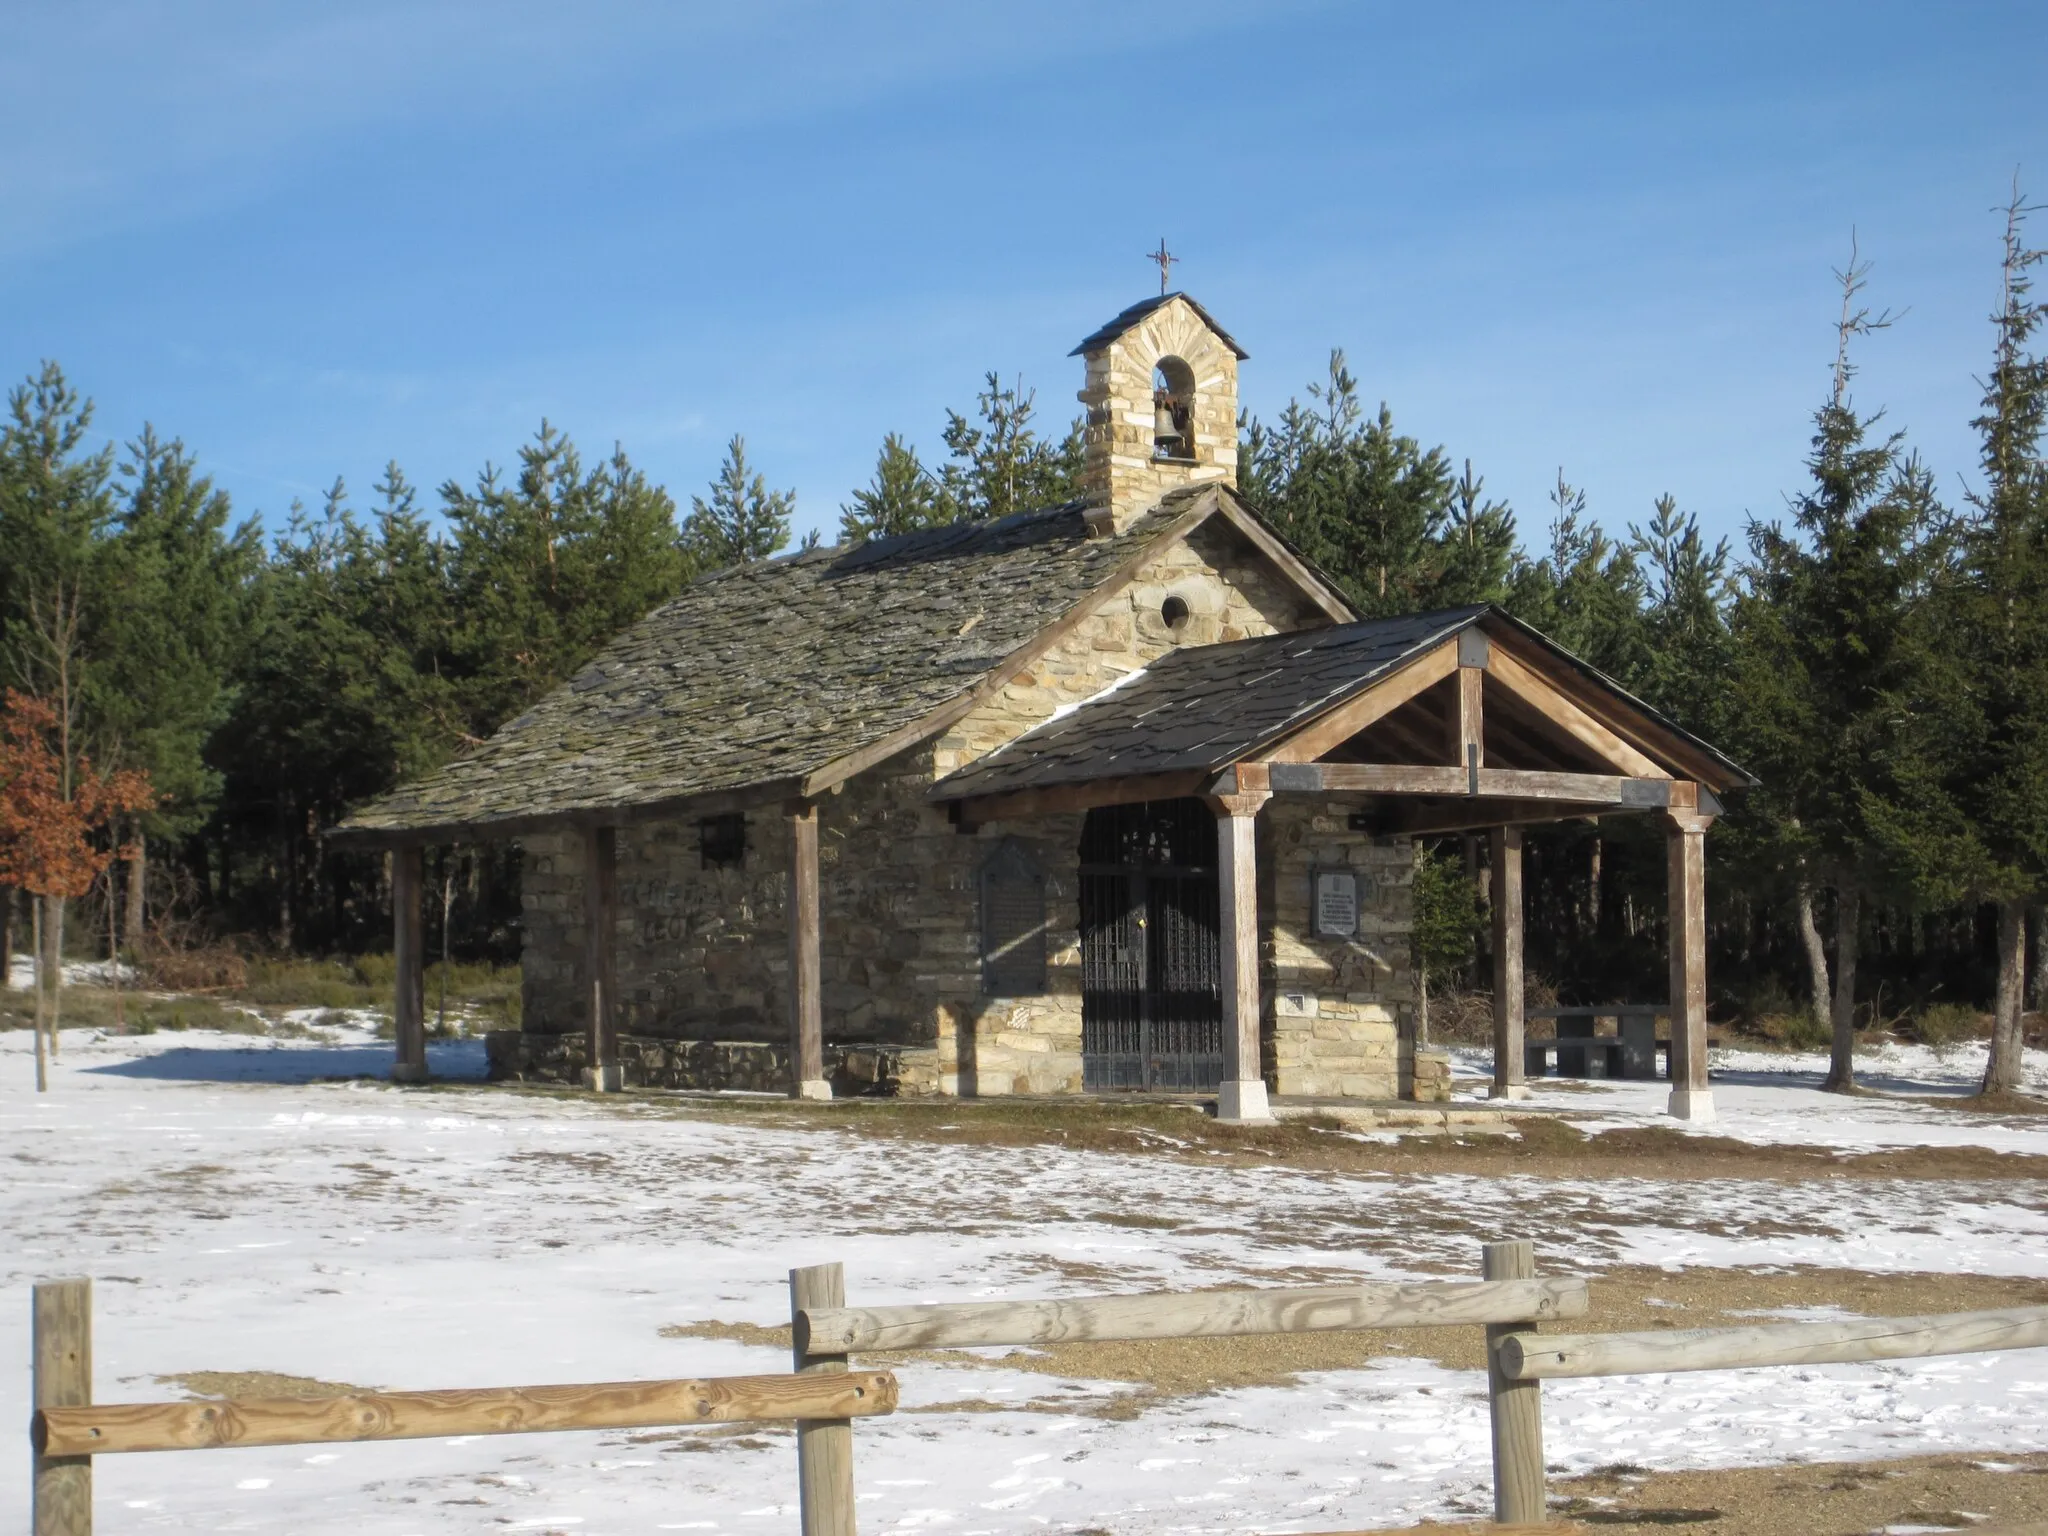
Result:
<point x="1151" y="959"/>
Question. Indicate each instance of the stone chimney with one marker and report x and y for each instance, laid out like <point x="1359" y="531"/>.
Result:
<point x="1162" y="406"/>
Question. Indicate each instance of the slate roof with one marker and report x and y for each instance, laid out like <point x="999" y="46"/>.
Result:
<point x="773" y="670"/>
<point x="1206" y="706"/>
<point x="1137" y="312"/>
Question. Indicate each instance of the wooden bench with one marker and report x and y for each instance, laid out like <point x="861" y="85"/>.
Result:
<point x="1630" y="1052"/>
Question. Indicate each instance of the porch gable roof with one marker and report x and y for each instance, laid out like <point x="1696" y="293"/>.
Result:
<point x="1203" y="709"/>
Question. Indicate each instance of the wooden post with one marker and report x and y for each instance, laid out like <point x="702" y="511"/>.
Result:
<point x="824" y="1447"/>
<point x="1685" y="841"/>
<point x="408" y="952"/>
<point x="1241" y="1097"/>
<point x="63" y="1379"/>
<point x="806" y="967"/>
<point x="1466" y="717"/>
<point x="600" y="963"/>
<point x="1516" y="1407"/>
<point x="1508" y="1080"/>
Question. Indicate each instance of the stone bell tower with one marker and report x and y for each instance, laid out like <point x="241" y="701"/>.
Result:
<point x="1162" y="405"/>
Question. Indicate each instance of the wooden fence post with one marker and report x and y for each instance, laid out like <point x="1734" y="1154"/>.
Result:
<point x="63" y="1379"/>
<point x="1519" y="1496"/>
<point x="824" y="1447"/>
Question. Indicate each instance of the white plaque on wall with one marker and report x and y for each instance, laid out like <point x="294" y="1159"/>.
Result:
<point x="1336" y="904"/>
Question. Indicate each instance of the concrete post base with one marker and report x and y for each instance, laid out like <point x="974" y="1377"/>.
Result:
<point x="1508" y="1091"/>
<point x="1243" y="1103"/>
<point x="814" y="1088"/>
<point x="408" y="1072"/>
<point x="1693" y="1104"/>
<point x="607" y="1079"/>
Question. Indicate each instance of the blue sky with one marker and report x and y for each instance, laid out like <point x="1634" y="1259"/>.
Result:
<point x="309" y="239"/>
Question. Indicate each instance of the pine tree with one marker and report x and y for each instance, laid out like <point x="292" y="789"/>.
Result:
<point x="743" y="520"/>
<point x="1824" y="648"/>
<point x="1976" y="826"/>
<point x="1369" y="504"/>
<point x="1001" y="465"/>
<point x="902" y="498"/>
<point x="548" y="568"/>
<point x="173" y="580"/>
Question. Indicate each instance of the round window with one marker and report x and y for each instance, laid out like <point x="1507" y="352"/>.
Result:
<point x="1174" y="611"/>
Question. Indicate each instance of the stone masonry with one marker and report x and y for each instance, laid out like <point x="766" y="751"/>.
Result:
<point x="702" y="956"/>
<point x="1121" y="469"/>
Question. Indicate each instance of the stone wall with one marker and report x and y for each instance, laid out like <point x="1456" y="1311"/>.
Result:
<point x="1342" y="1010"/>
<point x="702" y="954"/>
<point x="744" y="1066"/>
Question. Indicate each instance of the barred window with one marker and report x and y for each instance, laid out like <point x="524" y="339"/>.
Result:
<point x="1012" y="923"/>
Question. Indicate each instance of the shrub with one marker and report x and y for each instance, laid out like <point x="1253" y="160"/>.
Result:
<point x="1799" y="1030"/>
<point x="1945" y="1024"/>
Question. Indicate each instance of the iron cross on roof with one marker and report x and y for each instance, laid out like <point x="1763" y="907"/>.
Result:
<point x="1166" y="260"/>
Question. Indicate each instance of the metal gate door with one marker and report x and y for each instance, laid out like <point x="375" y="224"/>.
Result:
<point x="1151" y="962"/>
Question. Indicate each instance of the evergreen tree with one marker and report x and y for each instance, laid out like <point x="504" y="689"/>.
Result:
<point x="1824" y="648"/>
<point x="1976" y="826"/>
<point x="1585" y="592"/>
<point x="1385" y="517"/>
<point x="902" y="498"/>
<point x="546" y="569"/>
<point x="743" y="520"/>
<point x="1001" y="465"/>
<point x="168" y="637"/>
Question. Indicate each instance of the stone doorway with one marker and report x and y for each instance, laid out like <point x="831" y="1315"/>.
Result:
<point x="1151" y="956"/>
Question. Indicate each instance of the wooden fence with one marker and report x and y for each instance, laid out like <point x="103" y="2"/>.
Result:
<point x="824" y="1396"/>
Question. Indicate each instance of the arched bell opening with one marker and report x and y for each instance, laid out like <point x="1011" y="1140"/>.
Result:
<point x="1173" y="410"/>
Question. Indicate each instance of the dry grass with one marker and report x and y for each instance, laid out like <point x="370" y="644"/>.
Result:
<point x="255" y="1384"/>
<point x="1544" y="1146"/>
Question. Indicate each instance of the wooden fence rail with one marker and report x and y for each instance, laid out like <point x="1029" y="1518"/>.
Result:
<point x="824" y="1396"/>
<point x="1204" y="1314"/>
<point x="1522" y="1362"/>
<point x="68" y="1429"/>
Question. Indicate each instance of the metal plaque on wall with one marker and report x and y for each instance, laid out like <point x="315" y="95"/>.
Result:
<point x="1334" y="907"/>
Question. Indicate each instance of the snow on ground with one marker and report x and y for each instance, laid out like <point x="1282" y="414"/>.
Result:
<point x="21" y="973"/>
<point x="1775" y="1097"/>
<point x="238" y="1213"/>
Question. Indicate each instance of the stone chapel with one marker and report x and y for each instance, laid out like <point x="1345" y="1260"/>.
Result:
<point x="1114" y="797"/>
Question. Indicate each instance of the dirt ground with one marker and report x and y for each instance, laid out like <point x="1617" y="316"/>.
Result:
<point x="1543" y="1146"/>
<point x="1816" y="1499"/>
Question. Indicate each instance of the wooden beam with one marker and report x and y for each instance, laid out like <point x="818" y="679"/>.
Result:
<point x="1194" y="1315"/>
<point x="1058" y="799"/>
<point x="1493" y="783"/>
<point x="715" y="802"/>
<point x="1355" y="714"/>
<point x="408" y="957"/>
<point x="1833" y="1342"/>
<point x="1332" y="602"/>
<point x="1545" y="698"/>
<point x="1622" y="715"/>
<point x="61" y="1366"/>
<point x="1506" y="888"/>
<point x="1465" y="732"/>
<point x="1242" y="1096"/>
<point x="601" y="1071"/>
<point x="1441" y="817"/>
<point x="1686" y="885"/>
<point x="806" y="968"/>
<point x="106" y="1429"/>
